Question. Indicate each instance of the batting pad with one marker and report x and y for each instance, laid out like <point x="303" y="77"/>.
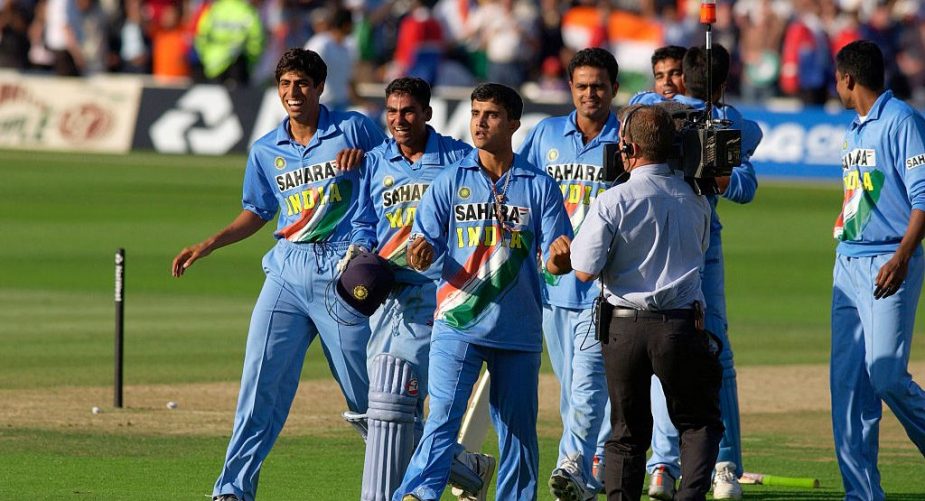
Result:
<point x="393" y="395"/>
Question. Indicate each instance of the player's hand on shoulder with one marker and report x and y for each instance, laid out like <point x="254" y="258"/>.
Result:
<point x="187" y="257"/>
<point x="349" y="158"/>
<point x="420" y="254"/>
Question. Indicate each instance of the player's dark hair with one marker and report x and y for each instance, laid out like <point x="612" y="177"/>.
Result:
<point x="595" y="57"/>
<point x="694" y="67"/>
<point x="503" y="95"/>
<point x="651" y="129"/>
<point x="415" y="87"/>
<point x="863" y="60"/>
<point x="303" y="61"/>
<point x="668" y="52"/>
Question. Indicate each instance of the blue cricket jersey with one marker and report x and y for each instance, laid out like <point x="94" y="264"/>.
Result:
<point x="884" y="178"/>
<point x="390" y="190"/>
<point x="555" y="145"/>
<point x="315" y="199"/>
<point x="489" y="289"/>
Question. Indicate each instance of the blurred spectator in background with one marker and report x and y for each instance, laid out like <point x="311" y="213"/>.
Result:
<point x="15" y="17"/>
<point x="506" y="31"/>
<point x="778" y="47"/>
<point x="134" y="48"/>
<point x="882" y="29"/>
<point x="171" y="42"/>
<point x="681" y="23"/>
<point x="229" y="41"/>
<point x="332" y="27"/>
<point x="911" y="56"/>
<point x="806" y="59"/>
<point x="55" y="36"/>
<point x="419" y="45"/>
<point x="76" y="32"/>
<point x="761" y="26"/>
<point x="550" y="85"/>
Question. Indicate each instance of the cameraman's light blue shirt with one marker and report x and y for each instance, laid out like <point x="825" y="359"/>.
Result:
<point x="659" y="229"/>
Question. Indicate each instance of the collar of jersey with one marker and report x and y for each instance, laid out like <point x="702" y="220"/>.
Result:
<point x="431" y="150"/>
<point x="875" y="110"/>
<point x="520" y="168"/>
<point x="610" y="133"/>
<point x="650" y="170"/>
<point x="326" y="127"/>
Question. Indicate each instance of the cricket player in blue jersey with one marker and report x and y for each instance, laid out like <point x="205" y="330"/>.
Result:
<point x="571" y="150"/>
<point x="489" y="216"/>
<point x="878" y="269"/>
<point x="395" y="176"/>
<point x="664" y="464"/>
<point x="294" y="170"/>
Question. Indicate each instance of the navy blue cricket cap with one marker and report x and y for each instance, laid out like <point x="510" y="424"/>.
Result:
<point x="366" y="282"/>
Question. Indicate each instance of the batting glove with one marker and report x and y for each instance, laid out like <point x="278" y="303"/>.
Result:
<point x="352" y="251"/>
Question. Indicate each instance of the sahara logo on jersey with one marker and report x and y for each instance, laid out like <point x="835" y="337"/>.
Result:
<point x="405" y="193"/>
<point x="517" y="216"/>
<point x="306" y="175"/>
<point x="913" y="162"/>
<point x="859" y="157"/>
<point x="575" y="172"/>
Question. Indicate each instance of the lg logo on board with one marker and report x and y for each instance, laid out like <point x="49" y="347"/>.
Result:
<point x="203" y="122"/>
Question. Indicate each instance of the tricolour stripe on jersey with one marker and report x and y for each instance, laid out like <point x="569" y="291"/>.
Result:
<point x="396" y="249"/>
<point x="317" y="223"/>
<point x="485" y="276"/>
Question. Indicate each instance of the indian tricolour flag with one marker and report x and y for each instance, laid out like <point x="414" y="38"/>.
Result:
<point x="485" y="276"/>
<point x="631" y="38"/>
<point x="317" y="223"/>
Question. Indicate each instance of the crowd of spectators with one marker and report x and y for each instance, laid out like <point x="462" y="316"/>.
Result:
<point x="779" y="47"/>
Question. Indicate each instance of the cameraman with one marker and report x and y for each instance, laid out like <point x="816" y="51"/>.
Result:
<point x="647" y="238"/>
<point x="740" y="187"/>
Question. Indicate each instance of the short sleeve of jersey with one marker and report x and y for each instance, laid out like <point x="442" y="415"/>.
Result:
<point x="555" y="220"/>
<point x="258" y="196"/>
<point x="910" y="140"/>
<point x="528" y="149"/>
<point x="366" y="134"/>
<point x="364" y="221"/>
<point x="432" y="217"/>
<point x="645" y="97"/>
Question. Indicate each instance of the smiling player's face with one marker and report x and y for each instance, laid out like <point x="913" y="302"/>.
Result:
<point x="406" y="119"/>
<point x="299" y="95"/>
<point x="668" y="78"/>
<point x="592" y="92"/>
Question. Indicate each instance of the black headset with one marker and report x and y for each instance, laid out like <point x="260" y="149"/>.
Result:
<point x="627" y="148"/>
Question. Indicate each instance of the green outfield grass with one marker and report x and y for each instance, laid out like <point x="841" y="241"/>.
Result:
<point x="62" y="216"/>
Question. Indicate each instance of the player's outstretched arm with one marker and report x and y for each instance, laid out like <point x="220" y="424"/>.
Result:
<point x="246" y="224"/>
